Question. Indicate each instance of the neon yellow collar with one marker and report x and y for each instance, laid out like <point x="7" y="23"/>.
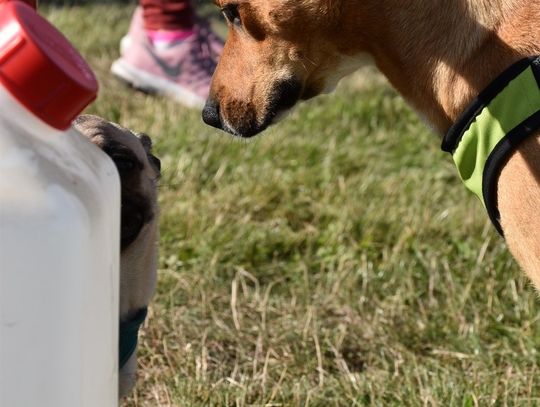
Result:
<point x="489" y="130"/>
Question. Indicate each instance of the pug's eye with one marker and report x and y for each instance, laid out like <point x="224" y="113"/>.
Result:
<point x="231" y="14"/>
<point x="124" y="164"/>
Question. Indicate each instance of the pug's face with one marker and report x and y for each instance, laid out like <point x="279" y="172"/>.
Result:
<point x="138" y="168"/>
<point x="139" y="172"/>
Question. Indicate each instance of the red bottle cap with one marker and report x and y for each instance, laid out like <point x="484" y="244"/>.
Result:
<point x="41" y="68"/>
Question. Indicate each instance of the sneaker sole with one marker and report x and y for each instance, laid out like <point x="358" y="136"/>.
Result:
<point x="153" y="84"/>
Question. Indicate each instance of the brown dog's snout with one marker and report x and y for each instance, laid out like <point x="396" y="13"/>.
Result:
<point x="210" y="114"/>
<point x="246" y="118"/>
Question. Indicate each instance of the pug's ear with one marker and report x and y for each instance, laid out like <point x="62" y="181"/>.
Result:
<point x="146" y="142"/>
<point x="156" y="162"/>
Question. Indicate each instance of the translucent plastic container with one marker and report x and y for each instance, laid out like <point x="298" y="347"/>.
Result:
<point x="59" y="227"/>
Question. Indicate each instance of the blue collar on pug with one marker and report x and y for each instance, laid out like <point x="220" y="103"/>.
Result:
<point x="129" y="332"/>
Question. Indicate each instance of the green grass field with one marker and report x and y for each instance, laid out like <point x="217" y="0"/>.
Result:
<point x="335" y="261"/>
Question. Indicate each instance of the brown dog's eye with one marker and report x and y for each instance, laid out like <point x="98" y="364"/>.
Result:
<point x="231" y="14"/>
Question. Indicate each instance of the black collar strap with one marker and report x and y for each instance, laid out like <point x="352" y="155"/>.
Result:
<point x="129" y="331"/>
<point x="490" y="129"/>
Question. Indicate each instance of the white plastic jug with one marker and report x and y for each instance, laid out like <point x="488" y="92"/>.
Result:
<point x="59" y="226"/>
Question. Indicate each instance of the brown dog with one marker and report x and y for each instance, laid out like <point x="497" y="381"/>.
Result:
<point x="139" y="173"/>
<point x="438" y="54"/>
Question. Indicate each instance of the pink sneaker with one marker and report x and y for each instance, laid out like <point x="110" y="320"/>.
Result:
<point x="182" y="71"/>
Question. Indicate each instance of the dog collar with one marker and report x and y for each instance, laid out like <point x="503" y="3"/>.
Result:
<point x="490" y="129"/>
<point x="129" y="332"/>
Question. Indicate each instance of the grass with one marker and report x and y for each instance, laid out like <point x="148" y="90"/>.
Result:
<point x="336" y="261"/>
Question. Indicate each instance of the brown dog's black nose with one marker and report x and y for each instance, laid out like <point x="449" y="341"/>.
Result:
<point x="210" y="114"/>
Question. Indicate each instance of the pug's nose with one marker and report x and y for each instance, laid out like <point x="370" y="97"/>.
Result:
<point x="210" y="114"/>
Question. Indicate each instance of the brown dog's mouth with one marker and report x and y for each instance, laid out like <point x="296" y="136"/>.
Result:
<point x="283" y="97"/>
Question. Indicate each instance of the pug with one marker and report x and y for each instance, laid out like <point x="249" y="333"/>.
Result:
<point x="139" y="173"/>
